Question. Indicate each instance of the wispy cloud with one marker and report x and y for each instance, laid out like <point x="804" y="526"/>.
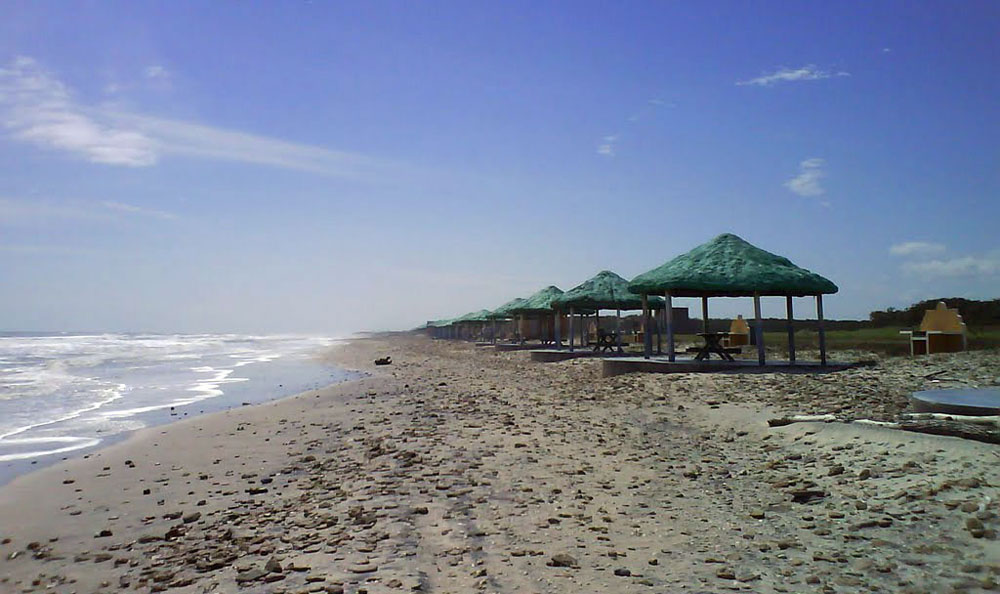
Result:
<point x="916" y="248"/>
<point x="808" y="72"/>
<point x="807" y="182"/>
<point x="963" y="266"/>
<point x="138" y="210"/>
<point x="36" y="107"/>
<point x="14" y="211"/>
<point x="156" y="71"/>
<point x="608" y="146"/>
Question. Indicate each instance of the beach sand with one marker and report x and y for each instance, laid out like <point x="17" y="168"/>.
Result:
<point x="460" y="469"/>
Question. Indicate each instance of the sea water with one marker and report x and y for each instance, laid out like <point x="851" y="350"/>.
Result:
<point x="63" y="394"/>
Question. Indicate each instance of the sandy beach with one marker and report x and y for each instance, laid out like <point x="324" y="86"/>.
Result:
<point x="460" y="469"/>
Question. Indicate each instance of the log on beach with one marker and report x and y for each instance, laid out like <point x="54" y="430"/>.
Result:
<point x="984" y="429"/>
<point x="964" y="430"/>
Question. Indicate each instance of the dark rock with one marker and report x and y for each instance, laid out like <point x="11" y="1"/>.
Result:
<point x="273" y="565"/>
<point x="250" y="576"/>
<point x="562" y="560"/>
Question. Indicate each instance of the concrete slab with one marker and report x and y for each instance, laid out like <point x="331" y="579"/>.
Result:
<point x="618" y="365"/>
<point x="553" y="355"/>
<point x="514" y="347"/>
<point x="962" y="401"/>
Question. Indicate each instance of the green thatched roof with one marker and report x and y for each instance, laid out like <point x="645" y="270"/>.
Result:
<point x="504" y="310"/>
<point x="606" y="290"/>
<point x="439" y="323"/>
<point x="473" y="316"/>
<point x="539" y="303"/>
<point x="728" y="266"/>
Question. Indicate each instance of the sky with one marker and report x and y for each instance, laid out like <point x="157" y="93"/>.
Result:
<point x="320" y="167"/>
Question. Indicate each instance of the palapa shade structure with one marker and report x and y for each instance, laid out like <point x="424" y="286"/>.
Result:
<point x="605" y="290"/>
<point x="470" y="321"/>
<point x="728" y="266"/>
<point x="540" y="304"/>
<point x="503" y="313"/>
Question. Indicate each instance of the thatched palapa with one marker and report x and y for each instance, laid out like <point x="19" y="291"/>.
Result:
<point x="605" y="290"/>
<point x="728" y="266"/>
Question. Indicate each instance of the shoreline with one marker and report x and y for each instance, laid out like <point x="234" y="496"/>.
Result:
<point x="465" y="470"/>
<point x="306" y="376"/>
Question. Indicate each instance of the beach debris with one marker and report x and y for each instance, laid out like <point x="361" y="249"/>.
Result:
<point x="562" y="560"/>
<point x="977" y="428"/>
<point x="384" y="361"/>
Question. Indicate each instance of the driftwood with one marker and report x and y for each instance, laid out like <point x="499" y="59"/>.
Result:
<point x="993" y="421"/>
<point x="954" y="429"/>
<point x="984" y="429"/>
<point x="782" y="421"/>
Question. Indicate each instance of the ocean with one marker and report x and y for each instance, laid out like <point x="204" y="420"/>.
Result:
<point x="64" y="394"/>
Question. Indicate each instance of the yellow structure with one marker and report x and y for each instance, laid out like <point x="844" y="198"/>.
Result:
<point x="941" y="331"/>
<point x="739" y="333"/>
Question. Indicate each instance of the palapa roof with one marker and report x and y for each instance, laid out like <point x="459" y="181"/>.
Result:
<point x="539" y="303"/>
<point x="606" y="290"/>
<point x="473" y="316"/>
<point x="728" y="266"/>
<point x="504" y="310"/>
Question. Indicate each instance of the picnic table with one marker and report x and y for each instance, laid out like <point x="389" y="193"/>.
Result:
<point x="606" y="341"/>
<point x="713" y="344"/>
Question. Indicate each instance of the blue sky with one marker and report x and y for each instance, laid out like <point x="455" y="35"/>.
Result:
<point x="331" y="167"/>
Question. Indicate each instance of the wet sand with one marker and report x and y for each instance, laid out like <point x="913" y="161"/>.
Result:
<point x="459" y="469"/>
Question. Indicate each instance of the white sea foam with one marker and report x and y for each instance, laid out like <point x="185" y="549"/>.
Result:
<point x="70" y="391"/>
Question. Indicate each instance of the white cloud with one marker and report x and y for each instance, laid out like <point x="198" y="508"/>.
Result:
<point x="138" y="210"/>
<point x="19" y="211"/>
<point x="607" y="148"/>
<point x="807" y="182"/>
<point x="37" y="108"/>
<point x="156" y="71"/>
<point x="988" y="265"/>
<point x="916" y="248"/>
<point x="808" y="72"/>
<point x="12" y="211"/>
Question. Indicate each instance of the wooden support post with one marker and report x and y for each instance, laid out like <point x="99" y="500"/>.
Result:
<point x="820" y="330"/>
<point x="647" y="338"/>
<point x="704" y="314"/>
<point x="597" y="325"/>
<point x="557" y="327"/>
<point x="759" y="329"/>
<point x="791" y="329"/>
<point x="572" y="336"/>
<point x="669" y="310"/>
<point x="618" y="329"/>
<point x="659" y="332"/>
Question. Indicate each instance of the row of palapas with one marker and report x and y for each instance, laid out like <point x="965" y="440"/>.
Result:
<point x="726" y="266"/>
